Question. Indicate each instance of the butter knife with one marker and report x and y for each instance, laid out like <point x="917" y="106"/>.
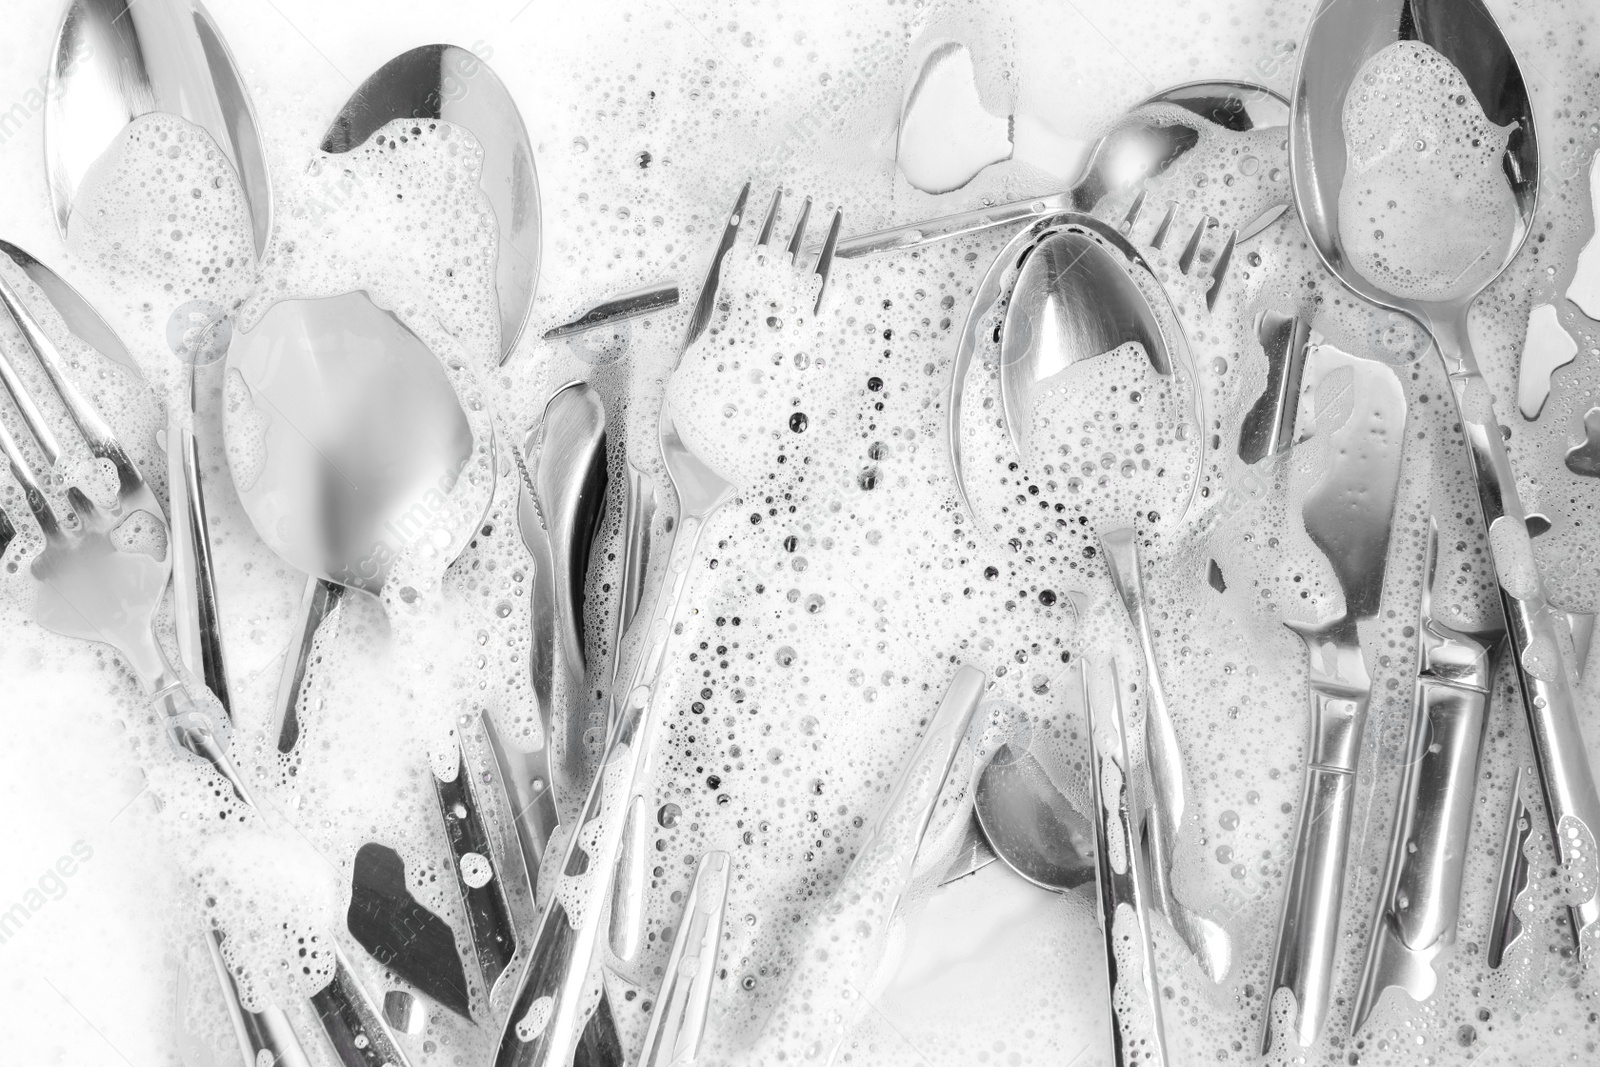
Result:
<point x="1421" y="896"/>
<point x="1360" y="407"/>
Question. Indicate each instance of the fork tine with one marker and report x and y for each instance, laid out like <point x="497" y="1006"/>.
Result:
<point x="1186" y="259"/>
<point x="799" y="229"/>
<point x="19" y="392"/>
<point x="1133" y="212"/>
<point x="30" y="485"/>
<point x="772" y="217"/>
<point x="708" y="292"/>
<point x="102" y="442"/>
<point x="1219" y="268"/>
<point x="825" y="257"/>
<point x="1166" y="224"/>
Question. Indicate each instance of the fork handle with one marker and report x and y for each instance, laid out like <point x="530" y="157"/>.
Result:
<point x="544" y="1024"/>
<point x="193" y="728"/>
<point x="352" y="1025"/>
<point x="1308" y="930"/>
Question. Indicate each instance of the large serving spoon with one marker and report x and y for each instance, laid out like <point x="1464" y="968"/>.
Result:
<point x="1135" y="149"/>
<point x="1344" y="35"/>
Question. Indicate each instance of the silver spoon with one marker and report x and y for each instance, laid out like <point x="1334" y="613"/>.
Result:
<point x="341" y="479"/>
<point x="1136" y="149"/>
<point x="1082" y="292"/>
<point x="442" y="81"/>
<point x="117" y="60"/>
<point x="1343" y="36"/>
<point x="1096" y="292"/>
<point x="1030" y="823"/>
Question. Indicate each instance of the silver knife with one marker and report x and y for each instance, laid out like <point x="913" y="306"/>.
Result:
<point x="1360" y="407"/>
<point x="1421" y="891"/>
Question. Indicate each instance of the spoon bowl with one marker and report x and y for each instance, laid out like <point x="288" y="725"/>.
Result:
<point x="442" y="81"/>
<point x="117" y="60"/>
<point x="1072" y="301"/>
<point x="1030" y="823"/>
<point x="1344" y="36"/>
<point x="347" y="440"/>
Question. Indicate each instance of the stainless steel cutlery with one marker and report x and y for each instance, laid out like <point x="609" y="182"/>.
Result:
<point x="1359" y="409"/>
<point x="353" y="435"/>
<point x="1343" y="34"/>
<point x="1421" y="896"/>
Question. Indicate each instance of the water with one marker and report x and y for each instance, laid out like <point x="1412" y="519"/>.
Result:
<point x="849" y="581"/>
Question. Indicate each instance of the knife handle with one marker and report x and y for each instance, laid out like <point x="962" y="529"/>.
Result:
<point x="1429" y="848"/>
<point x="351" y="1022"/>
<point x="1420" y="899"/>
<point x="1308" y="930"/>
<point x="1506" y="926"/>
<point x="1540" y="637"/>
<point x="494" y="938"/>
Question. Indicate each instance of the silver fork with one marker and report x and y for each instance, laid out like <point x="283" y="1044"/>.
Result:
<point x="92" y="590"/>
<point x="546" y="1015"/>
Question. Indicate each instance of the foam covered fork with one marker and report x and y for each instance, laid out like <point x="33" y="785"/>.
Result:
<point x="546" y="1015"/>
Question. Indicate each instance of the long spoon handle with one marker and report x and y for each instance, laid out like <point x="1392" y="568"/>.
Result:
<point x="1164" y="763"/>
<point x="1541" y="638"/>
<point x="1122" y="893"/>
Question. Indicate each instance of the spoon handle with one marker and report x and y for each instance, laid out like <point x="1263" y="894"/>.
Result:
<point x="906" y="237"/>
<point x="1164" y="764"/>
<point x="1135" y="1011"/>
<point x="319" y="604"/>
<point x="194" y="583"/>
<point x="1541" y="638"/>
